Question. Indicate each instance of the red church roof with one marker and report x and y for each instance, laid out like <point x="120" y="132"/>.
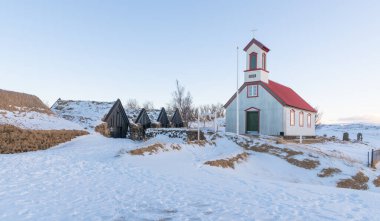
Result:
<point x="285" y="95"/>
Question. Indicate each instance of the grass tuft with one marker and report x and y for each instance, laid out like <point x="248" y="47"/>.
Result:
<point x="357" y="182"/>
<point x="328" y="172"/>
<point x="229" y="162"/>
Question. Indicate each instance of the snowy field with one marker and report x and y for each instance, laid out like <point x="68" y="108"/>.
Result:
<point x="95" y="178"/>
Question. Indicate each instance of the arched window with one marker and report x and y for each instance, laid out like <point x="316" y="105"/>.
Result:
<point x="308" y="120"/>
<point x="292" y="117"/>
<point x="253" y="61"/>
<point x="264" y="61"/>
<point x="301" y="119"/>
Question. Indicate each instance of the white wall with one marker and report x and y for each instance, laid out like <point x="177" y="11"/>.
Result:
<point x="271" y="112"/>
<point x="297" y="130"/>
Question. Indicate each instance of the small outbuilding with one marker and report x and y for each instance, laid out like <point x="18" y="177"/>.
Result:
<point x="177" y="120"/>
<point x="163" y="118"/>
<point x="117" y="121"/>
<point x="143" y="119"/>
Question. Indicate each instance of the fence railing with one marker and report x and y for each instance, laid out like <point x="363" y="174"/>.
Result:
<point x="374" y="157"/>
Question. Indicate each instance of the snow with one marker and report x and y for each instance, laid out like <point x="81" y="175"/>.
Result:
<point x="153" y="115"/>
<point x="132" y="114"/>
<point x="94" y="178"/>
<point x="88" y="114"/>
<point x="36" y="121"/>
<point x="371" y="132"/>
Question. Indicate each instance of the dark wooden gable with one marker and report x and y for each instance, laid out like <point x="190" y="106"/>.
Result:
<point x="143" y="119"/>
<point x="117" y="120"/>
<point x="177" y="120"/>
<point x="163" y="118"/>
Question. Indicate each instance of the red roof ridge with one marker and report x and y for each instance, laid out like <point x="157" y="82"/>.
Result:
<point x="259" y="44"/>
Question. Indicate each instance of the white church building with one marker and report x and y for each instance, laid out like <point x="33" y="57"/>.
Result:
<point x="264" y="106"/>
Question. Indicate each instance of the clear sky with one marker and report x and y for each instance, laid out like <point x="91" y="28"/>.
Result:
<point x="326" y="50"/>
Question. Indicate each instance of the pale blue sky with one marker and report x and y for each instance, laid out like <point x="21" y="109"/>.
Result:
<point x="327" y="50"/>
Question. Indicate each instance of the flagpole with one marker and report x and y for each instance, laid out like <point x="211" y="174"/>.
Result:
<point x="237" y="90"/>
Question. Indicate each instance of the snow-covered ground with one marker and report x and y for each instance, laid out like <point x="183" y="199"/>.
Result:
<point x="371" y="132"/>
<point x="94" y="178"/>
<point x="36" y="121"/>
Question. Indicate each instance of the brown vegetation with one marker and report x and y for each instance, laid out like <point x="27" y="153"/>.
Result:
<point x="229" y="162"/>
<point x="103" y="129"/>
<point x="10" y="100"/>
<point x="328" y="172"/>
<point x="154" y="148"/>
<point x="358" y="182"/>
<point x="16" y="140"/>
<point x="376" y="181"/>
<point x="286" y="154"/>
<point x="193" y="135"/>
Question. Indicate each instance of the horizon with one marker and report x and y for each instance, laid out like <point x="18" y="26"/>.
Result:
<point x="94" y="50"/>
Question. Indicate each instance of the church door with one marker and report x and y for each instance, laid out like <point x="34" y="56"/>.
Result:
<point x="252" y="121"/>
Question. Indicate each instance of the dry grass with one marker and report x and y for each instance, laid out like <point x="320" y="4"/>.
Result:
<point x="328" y="172"/>
<point x="103" y="130"/>
<point x="10" y="100"/>
<point x="305" y="163"/>
<point x="357" y="182"/>
<point x="376" y="181"/>
<point x="286" y="154"/>
<point x="154" y="148"/>
<point x="192" y="135"/>
<point x="16" y="140"/>
<point x="229" y="162"/>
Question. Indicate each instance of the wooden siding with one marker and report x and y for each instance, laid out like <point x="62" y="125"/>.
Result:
<point x="271" y="113"/>
<point x="177" y="120"/>
<point x="163" y="118"/>
<point x="117" y="121"/>
<point x="143" y="119"/>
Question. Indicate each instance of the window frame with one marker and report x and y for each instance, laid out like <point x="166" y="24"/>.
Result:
<point x="292" y="117"/>
<point x="252" y="86"/>
<point x="301" y="123"/>
<point x="264" y="61"/>
<point x="250" y="61"/>
<point x="308" y="120"/>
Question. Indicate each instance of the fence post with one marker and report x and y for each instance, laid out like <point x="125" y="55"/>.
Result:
<point x="368" y="158"/>
<point x="372" y="159"/>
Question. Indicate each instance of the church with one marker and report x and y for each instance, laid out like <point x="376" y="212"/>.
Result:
<point x="264" y="106"/>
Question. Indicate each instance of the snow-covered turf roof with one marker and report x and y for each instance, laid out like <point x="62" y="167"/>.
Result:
<point x="89" y="114"/>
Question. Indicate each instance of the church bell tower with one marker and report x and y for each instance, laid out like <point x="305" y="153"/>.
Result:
<point x="256" y="62"/>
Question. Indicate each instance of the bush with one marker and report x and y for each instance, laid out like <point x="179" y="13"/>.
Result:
<point x="16" y="140"/>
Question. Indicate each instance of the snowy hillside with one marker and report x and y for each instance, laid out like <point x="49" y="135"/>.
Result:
<point x="97" y="178"/>
<point x="88" y="114"/>
<point x="36" y="120"/>
<point x="371" y="132"/>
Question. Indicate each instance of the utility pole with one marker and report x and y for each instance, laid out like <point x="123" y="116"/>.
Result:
<point x="237" y="90"/>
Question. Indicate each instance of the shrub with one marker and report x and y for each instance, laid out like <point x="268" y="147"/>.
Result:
<point x="16" y="140"/>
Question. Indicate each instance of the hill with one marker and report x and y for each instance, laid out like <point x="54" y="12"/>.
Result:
<point x="29" y="112"/>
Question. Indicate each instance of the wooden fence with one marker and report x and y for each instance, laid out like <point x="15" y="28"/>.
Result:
<point x="374" y="157"/>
